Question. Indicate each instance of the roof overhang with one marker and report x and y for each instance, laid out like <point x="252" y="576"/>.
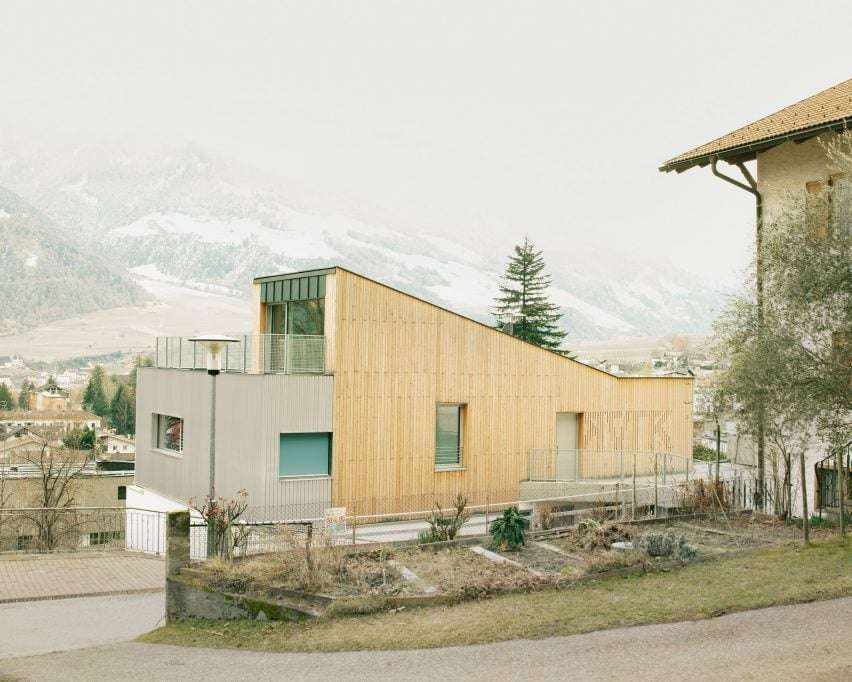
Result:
<point x="748" y="152"/>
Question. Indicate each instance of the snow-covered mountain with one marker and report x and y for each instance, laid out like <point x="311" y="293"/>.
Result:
<point x="48" y="273"/>
<point x="197" y="222"/>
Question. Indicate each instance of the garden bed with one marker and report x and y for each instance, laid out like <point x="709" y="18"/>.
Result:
<point x="346" y="579"/>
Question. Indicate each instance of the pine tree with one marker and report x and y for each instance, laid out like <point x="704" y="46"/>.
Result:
<point x="7" y="402"/>
<point x="523" y="298"/>
<point x="25" y="396"/>
<point x="94" y="397"/>
<point x="122" y="412"/>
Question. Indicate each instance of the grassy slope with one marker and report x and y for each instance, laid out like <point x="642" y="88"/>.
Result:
<point x="766" y="577"/>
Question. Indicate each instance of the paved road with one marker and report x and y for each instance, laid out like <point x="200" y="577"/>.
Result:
<point x="51" y="576"/>
<point x="806" y="641"/>
<point x="58" y="625"/>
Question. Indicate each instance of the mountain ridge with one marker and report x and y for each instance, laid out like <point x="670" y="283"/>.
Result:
<point x="186" y="217"/>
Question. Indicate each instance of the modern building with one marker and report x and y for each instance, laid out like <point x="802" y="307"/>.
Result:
<point x="349" y="393"/>
<point x="791" y="157"/>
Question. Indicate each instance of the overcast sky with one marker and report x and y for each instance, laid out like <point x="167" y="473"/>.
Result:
<point x="462" y="118"/>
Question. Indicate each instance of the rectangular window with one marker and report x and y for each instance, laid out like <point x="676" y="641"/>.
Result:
<point x="306" y="317"/>
<point x="105" y="537"/>
<point x="304" y="454"/>
<point x="296" y="317"/>
<point x="169" y="432"/>
<point x="122" y="492"/>
<point x="449" y="420"/>
<point x="23" y="542"/>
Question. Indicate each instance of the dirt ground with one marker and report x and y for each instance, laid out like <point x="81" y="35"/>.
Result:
<point x="567" y="554"/>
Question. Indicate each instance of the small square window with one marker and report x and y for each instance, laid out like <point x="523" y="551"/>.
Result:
<point x="169" y="432"/>
<point x="122" y="492"/>
<point x="304" y="454"/>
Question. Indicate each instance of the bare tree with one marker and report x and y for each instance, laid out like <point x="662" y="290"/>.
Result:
<point x="53" y="488"/>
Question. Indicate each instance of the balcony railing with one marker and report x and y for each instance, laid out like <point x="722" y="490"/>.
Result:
<point x="251" y="354"/>
<point x="601" y="465"/>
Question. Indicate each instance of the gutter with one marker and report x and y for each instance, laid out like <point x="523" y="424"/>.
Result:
<point x="754" y="147"/>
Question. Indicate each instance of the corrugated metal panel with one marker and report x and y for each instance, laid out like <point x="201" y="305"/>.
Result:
<point x="251" y="413"/>
<point x="292" y="289"/>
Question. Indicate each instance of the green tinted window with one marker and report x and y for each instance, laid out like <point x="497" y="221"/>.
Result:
<point x="305" y="317"/>
<point x="448" y="435"/>
<point x="304" y="454"/>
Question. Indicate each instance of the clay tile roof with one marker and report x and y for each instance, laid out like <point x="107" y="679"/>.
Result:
<point x="47" y="415"/>
<point x="831" y="108"/>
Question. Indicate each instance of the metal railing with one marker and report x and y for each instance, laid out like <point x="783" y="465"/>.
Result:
<point x="600" y="465"/>
<point x="251" y="354"/>
<point x="99" y="529"/>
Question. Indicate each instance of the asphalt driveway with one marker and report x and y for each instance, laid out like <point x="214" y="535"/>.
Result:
<point x="799" y="642"/>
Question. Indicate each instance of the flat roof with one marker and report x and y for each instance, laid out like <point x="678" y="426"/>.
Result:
<point x="830" y="109"/>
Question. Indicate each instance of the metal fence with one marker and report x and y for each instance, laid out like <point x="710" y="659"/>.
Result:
<point x="40" y="530"/>
<point x="141" y="530"/>
<point x="250" y="354"/>
<point x="597" y="465"/>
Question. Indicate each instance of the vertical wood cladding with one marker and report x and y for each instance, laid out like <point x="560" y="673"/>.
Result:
<point x="396" y="357"/>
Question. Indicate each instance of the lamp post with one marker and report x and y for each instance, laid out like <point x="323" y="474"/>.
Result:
<point x="213" y="345"/>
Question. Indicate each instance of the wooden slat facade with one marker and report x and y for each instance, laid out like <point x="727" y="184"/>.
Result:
<point x="396" y="357"/>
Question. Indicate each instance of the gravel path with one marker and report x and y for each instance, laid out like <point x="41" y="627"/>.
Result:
<point x="805" y="641"/>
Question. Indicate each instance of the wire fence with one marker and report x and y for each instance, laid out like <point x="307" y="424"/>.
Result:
<point x="279" y="529"/>
<point x="250" y="354"/>
<point x="573" y="465"/>
<point x="100" y="529"/>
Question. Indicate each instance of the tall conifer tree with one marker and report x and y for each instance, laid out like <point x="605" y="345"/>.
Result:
<point x="27" y="389"/>
<point x="94" y="397"/>
<point x="7" y="402"/>
<point x="523" y="299"/>
<point x="122" y="413"/>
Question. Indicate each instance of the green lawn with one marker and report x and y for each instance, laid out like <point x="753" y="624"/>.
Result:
<point x="765" y="577"/>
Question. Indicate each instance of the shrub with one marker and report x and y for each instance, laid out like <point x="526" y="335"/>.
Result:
<point x="667" y="544"/>
<point x="508" y="530"/>
<point x="593" y="534"/>
<point x="703" y="496"/>
<point x="445" y="526"/>
<point x="705" y="454"/>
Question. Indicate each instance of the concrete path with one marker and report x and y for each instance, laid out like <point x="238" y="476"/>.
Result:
<point x="54" y="576"/>
<point x="394" y="531"/>
<point x="59" y="625"/>
<point x="806" y="641"/>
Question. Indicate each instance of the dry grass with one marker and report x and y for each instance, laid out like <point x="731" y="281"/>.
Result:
<point x="331" y="571"/>
<point x="458" y="571"/>
<point x="764" y="577"/>
<point x="609" y="561"/>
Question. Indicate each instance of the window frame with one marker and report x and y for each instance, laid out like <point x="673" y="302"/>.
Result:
<point x="459" y="464"/>
<point x="156" y="428"/>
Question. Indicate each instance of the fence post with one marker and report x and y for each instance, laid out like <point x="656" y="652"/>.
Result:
<point x="177" y="557"/>
<point x="487" y="502"/>
<point x="634" y="487"/>
<point x="656" y="492"/>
